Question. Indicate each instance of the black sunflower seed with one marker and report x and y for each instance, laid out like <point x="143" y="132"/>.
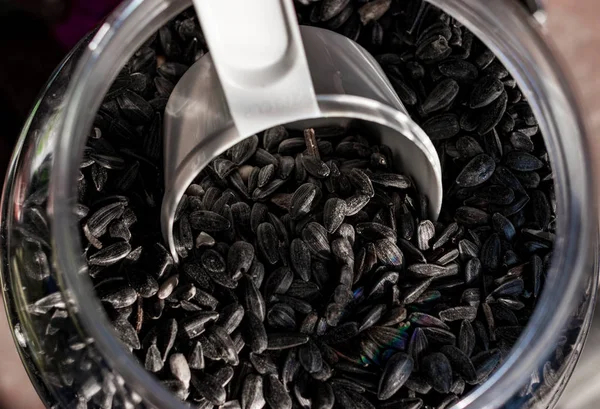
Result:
<point x="278" y="341"/>
<point x="443" y="126"/>
<point x="265" y="192"/>
<point x="253" y="299"/>
<point x="208" y="221"/>
<point x="315" y="166"/>
<point x="304" y="200"/>
<point x="492" y="114"/>
<point x="485" y="362"/>
<point x="392" y="180"/>
<point x="273" y="137"/>
<point x="459" y="70"/>
<point x="334" y="212"/>
<point x="361" y="181"/>
<point x="373" y="11"/>
<point x="425" y="232"/>
<point x="230" y="317"/>
<point x="278" y="282"/>
<point x="209" y="387"/>
<point x="244" y="150"/>
<point x="331" y="8"/>
<point x="388" y="253"/>
<point x="441" y="96"/>
<point x="522" y="161"/>
<point x="435" y="49"/>
<point x="110" y="254"/>
<point x="468" y="147"/>
<point x="239" y="258"/>
<point x="458" y="314"/>
<point x="153" y="361"/>
<point x="143" y="283"/>
<point x="397" y="370"/>
<point x="255" y="332"/>
<point x="423" y="270"/>
<point x="275" y="394"/>
<point x="439" y="371"/>
<point x="100" y="219"/>
<point x="486" y="91"/>
<point x="268" y="242"/>
<point x="323" y="396"/>
<point x="479" y="170"/>
<point x="471" y="216"/>
<point x="315" y="237"/>
<point x="466" y="338"/>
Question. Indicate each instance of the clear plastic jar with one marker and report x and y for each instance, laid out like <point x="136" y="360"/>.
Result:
<point x="84" y="364"/>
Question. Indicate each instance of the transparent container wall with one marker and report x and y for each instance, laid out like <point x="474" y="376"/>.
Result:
<point x="546" y="383"/>
<point x="65" y="366"/>
<point x="61" y="331"/>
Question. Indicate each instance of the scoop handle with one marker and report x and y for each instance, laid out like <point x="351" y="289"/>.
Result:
<point x="260" y="60"/>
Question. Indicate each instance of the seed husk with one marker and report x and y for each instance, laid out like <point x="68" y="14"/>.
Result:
<point x="304" y="199"/>
<point x="441" y="96"/>
<point x="397" y="370"/>
<point x="278" y="341"/>
<point x="439" y="372"/>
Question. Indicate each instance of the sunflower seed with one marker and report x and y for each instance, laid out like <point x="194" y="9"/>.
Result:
<point x="485" y="92"/>
<point x="323" y="396"/>
<point x="268" y="242"/>
<point x="256" y="332"/>
<point x="265" y="192"/>
<point x="179" y="368"/>
<point x="304" y="200"/>
<point x="439" y="371"/>
<point x="522" y="161"/>
<point x="209" y="387"/>
<point x="315" y="237"/>
<point x="315" y="166"/>
<point x="432" y="270"/>
<point x="459" y="70"/>
<point x="208" y="221"/>
<point x="153" y="362"/>
<point x="491" y="114"/>
<point x="355" y="203"/>
<point x="331" y="8"/>
<point x="388" y="253"/>
<point x="110" y="255"/>
<point x="485" y="362"/>
<point x="361" y="181"/>
<point x="392" y="180"/>
<point x="397" y="370"/>
<point x="373" y="11"/>
<point x="273" y="137"/>
<point x="479" y="170"/>
<point x="334" y="212"/>
<point x="277" y="341"/>
<point x="275" y="394"/>
<point x="252" y="298"/>
<point x="436" y="49"/>
<point x="278" y="282"/>
<point x="443" y="126"/>
<point x="441" y="96"/>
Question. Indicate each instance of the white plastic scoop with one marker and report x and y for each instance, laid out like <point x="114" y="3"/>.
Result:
<point x="264" y="70"/>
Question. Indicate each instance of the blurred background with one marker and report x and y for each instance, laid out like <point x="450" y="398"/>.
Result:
<point x="36" y="34"/>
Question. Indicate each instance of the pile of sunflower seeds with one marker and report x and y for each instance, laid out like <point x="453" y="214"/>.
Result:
<point x="310" y="274"/>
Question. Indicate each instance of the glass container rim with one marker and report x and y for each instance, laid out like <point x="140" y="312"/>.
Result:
<point x="575" y="229"/>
